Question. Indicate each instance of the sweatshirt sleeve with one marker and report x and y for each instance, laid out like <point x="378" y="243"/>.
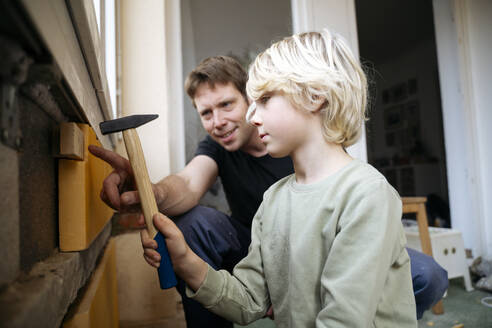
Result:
<point x="243" y="296"/>
<point x="367" y="243"/>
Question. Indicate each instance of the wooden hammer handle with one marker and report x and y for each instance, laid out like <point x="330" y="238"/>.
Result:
<point x="167" y="278"/>
<point x="137" y="160"/>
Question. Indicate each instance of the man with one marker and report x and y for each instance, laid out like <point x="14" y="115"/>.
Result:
<point x="232" y="150"/>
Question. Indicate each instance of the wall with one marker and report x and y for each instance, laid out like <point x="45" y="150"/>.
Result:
<point x="225" y="27"/>
<point x="420" y="64"/>
<point x="464" y="46"/>
<point x="314" y="15"/>
<point x="45" y="80"/>
<point x="174" y="77"/>
<point x="417" y="63"/>
<point x="146" y="65"/>
<point x="143" y="85"/>
<point x="480" y="20"/>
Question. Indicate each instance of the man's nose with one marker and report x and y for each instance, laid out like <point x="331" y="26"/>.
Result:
<point x="219" y="119"/>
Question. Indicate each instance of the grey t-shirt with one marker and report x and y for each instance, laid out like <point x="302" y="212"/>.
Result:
<point x="328" y="254"/>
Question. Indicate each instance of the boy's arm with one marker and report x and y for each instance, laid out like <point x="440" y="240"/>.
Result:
<point x="242" y="297"/>
<point x="363" y="252"/>
<point x="186" y="264"/>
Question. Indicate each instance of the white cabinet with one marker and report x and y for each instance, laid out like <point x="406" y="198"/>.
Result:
<point x="447" y="249"/>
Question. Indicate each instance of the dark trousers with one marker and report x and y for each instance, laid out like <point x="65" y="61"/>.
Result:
<point x="430" y="280"/>
<point x="223" y="242"/>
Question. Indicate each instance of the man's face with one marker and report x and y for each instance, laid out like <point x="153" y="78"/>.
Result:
<point x="222" y="110"/>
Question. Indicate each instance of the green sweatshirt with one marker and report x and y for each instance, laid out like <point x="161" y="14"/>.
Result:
<point x="327" y="254"/>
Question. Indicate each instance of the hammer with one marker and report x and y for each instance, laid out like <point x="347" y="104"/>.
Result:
<point x="128" y="126"/>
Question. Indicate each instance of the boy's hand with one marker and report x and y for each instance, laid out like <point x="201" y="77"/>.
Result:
<point x="149" y="245"/>
<point x="187" y="265"/>
<point x="269" y="313"/>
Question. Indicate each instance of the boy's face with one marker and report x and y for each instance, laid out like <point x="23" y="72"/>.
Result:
<point x="283" y="128"/>
<point x="222" y="111"/>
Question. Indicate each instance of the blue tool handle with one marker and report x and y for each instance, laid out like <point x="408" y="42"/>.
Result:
<point x="167" y="278"/>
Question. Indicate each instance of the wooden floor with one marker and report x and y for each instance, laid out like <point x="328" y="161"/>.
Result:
<point x="171" y="322"/>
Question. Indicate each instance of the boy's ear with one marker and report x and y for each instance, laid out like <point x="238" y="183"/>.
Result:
<point x="320" y="103"/>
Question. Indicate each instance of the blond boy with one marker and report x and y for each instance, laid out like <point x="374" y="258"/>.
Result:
<point x="327" y="245"/>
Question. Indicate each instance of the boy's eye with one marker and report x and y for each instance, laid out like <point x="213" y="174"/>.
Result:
<point x="263" y="99"/>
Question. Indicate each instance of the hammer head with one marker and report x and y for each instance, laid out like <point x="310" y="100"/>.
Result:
<point x="125" y="123"/>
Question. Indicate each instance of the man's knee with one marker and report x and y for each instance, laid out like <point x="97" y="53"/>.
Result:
<point x="430" y="280"/>
<point x="205" y="231"/>
<point x="190" y="218"/>
<point x="427" y="274"/>
<point x="199" y="218"/>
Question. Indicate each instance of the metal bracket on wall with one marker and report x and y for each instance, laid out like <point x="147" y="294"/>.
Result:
<point x="11" y="134"/>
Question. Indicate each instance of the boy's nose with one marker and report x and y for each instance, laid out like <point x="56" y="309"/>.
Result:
<point x="255" y="122"/>
<point x="252" y="115"/>
<point x="255" y="119"/>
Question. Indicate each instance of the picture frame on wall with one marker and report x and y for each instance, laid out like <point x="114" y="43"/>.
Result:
<point x="399" y="92"/>
<point x="412" y="86"/>
<point x="393" y="118"/>
<point x="390" y="139"/>
<point x="386" y="97"/>
<point x="412" y="111"/>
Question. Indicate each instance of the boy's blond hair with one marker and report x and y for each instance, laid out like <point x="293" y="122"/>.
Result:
<point x="315" y="70"/>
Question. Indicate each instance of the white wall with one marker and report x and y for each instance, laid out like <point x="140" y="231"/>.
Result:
<point x="464" y="46"/>
<point x="110" y="50"/>
<point x="480" y="29"/>
<point x="146" y="58"/>
<point x="314" y="15"/>
<point x="221" y="27"/>
<point x="174" y="77"/>
<point x="194" y="131"/>
<point x="225" y="27"/>
<point x="144" y="83"/>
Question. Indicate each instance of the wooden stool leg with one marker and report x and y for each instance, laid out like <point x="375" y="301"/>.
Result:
<point x="425" y="240"/>
<point x="438" y="308"/>
<point x="417" y="205"/>
<point x="426" y="245"/>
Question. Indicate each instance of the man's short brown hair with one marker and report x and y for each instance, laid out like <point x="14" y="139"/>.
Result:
<point x="217" y="69"/>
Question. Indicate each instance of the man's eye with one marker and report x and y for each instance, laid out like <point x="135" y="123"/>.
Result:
<point x="206" y="114"/>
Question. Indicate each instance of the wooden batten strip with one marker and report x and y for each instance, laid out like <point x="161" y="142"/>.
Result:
<point x="97" y="305"/>
<point x="82" y="214"/>
<point x="71" y="141"/>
